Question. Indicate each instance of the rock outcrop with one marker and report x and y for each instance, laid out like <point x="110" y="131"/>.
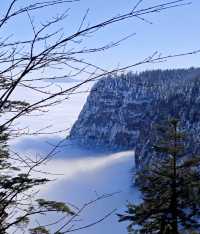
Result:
<point x="122" y="111"/>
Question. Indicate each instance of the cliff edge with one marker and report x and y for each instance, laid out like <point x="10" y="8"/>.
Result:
<point x="122" y="111"/>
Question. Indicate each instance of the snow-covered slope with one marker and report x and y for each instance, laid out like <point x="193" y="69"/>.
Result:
<point x="122" y="111"/>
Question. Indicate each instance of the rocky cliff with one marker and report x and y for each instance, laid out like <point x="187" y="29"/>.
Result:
<point x="122" y="111"/>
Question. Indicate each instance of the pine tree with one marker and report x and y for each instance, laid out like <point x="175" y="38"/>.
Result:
<point x="17" y="205"/>
<point x="170" y="188"/>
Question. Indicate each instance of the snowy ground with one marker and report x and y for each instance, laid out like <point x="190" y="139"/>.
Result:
<point x="84" y="174"/>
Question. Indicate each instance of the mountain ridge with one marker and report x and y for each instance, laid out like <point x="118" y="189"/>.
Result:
<point x="122" y="111"/>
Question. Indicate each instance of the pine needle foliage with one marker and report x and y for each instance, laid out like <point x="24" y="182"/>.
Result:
<point x="17" y="200"/>
<point x="170" y="188"/>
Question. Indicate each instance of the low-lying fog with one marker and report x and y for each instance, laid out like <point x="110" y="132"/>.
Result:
<point x="79" y="174"/>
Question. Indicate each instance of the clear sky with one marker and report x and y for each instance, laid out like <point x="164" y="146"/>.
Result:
<point x="173" y="31"/>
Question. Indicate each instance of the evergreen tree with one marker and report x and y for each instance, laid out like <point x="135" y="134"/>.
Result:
<point x="26" y="59"/>
<point x="17" y="204"/>
<point x="17" y="187"/>
<point x="170" y="188"/>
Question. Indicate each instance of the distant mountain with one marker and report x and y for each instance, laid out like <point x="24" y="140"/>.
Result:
<point x="122" y="111"/>
<point x="62" y="80"/>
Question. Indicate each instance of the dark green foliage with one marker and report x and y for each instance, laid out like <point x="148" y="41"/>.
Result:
<point x="16" y="186"/>
<point x="55" y="206"/>
<point x="17" y="205"/>
<point x="39" y="230"/>
<point x="170" y="188"/>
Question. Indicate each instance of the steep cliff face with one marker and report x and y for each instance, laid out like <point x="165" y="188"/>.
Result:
<point x="122" y="111"/>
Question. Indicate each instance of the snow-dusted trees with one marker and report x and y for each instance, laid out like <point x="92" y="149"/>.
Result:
<point x="26" y="59"/>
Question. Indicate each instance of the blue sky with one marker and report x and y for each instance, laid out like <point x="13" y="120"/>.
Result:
<point x="173" y="31"/>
